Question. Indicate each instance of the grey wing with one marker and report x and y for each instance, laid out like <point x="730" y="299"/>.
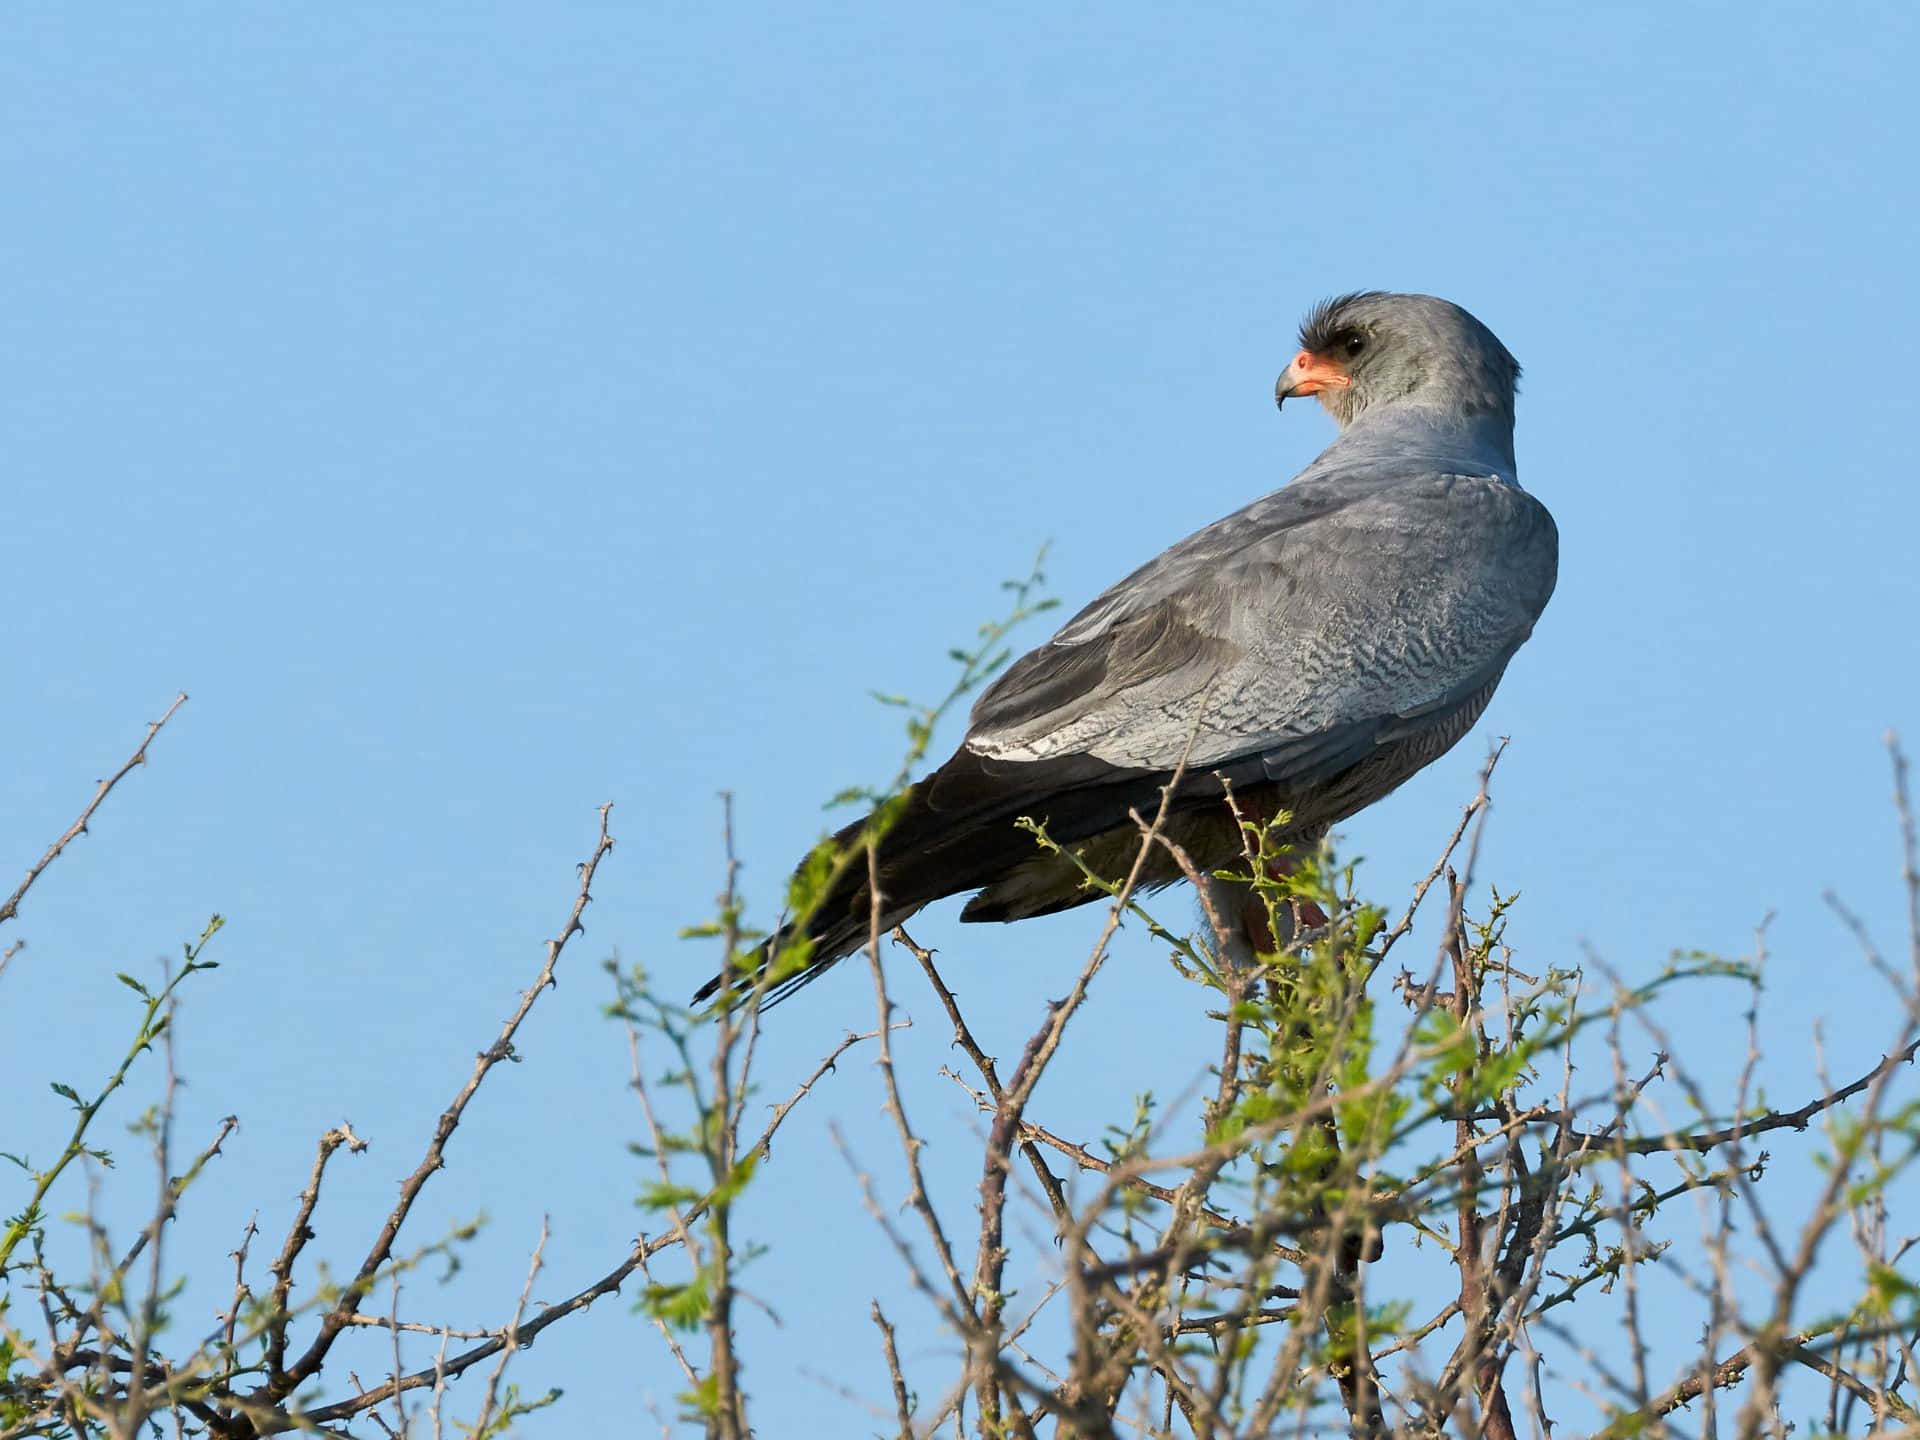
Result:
<point x="1306" y="629"/>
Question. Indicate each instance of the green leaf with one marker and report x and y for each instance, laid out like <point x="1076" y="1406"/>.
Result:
<point x="728" y="1190"/>
<point x="704" y="1398"/>
<point x="679" y="1307"/>
<point x="664" y="1196"/>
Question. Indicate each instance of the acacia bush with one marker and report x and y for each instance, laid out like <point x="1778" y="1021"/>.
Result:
<point x="1422" y="1194"/>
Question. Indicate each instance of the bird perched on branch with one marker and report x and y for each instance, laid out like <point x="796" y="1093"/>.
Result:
<point x="1309" y="652"/>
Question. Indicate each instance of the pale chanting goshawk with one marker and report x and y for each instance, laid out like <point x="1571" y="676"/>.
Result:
<point x="1311" y="651"/>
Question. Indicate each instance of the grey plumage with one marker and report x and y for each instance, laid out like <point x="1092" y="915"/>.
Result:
<point x="1312" y="650"/>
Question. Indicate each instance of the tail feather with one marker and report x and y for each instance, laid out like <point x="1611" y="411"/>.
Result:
<point x="956" y="833"/>
<point x="923" y="855"/>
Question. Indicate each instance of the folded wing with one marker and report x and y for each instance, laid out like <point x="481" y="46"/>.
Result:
<point x="1303" y="630"/>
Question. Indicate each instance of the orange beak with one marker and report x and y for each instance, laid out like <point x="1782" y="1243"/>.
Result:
<point x="1309" y="374"/>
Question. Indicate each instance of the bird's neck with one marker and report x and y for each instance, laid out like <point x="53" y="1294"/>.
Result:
<point x="1406" y="427"/>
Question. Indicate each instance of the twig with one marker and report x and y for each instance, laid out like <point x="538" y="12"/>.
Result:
<point x="674" y="1347"/>
<point x="240" y="1289"/>
<point x="910" y="1144"/>
<point x="283" y="1383"/>
<point x="298" y="1234"/>
<point x="903" y="1408"/>
<point x="11" y="906"/>
<point x="1474" y="807"/>
<point x="1704" y="1140"/>
<point x="443" y="1369"/>
<point x="990" y="1260"/>
<point x="644" y="1249"/>
<point x="1728" y="1372"/>
<point x="511" y="1336"/>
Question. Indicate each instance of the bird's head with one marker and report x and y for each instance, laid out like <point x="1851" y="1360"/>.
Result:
<point x="1364" y="351"/>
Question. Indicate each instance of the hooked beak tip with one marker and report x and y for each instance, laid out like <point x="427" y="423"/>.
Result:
<point x="1308" y="374"/>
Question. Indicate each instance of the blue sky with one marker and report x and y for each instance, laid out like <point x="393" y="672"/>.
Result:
<point x="487" y="412"/>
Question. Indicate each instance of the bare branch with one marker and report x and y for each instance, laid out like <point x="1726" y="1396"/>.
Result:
<point x="11" y="906"/>
<point x="511" y="1338"/>
<point x="282" y="1383"/>
<point x="903" y="1409"/>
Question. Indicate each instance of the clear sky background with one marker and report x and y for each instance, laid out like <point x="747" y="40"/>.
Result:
<point x="486" y="412"/>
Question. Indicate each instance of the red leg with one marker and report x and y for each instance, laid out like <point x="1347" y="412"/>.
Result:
<point x="1306" y="915"/>
<point x="1253" y="913"/>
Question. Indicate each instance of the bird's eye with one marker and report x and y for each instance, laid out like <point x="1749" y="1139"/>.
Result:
<point x="1353" y="345"/>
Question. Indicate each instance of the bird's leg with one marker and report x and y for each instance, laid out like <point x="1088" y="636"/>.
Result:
<point x="1306" y="914"/>
<point x="1269" y="929"/>
<point x="1241" y="933"/>
<point x="1250" y="927"/>
<point x="1258" y="920"/>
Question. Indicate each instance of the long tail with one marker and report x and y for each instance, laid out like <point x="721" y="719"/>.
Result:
<point x="923" y="854"/>
<point x="952" y="832"/>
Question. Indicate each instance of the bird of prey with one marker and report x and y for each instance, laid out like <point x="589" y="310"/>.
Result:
<point x="1311" y="651"/>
